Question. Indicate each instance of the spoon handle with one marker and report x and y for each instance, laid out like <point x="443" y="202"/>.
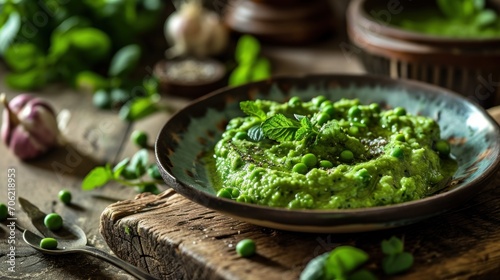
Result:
<point x="140" y="274"/>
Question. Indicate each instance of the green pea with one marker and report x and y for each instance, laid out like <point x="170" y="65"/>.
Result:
<point x="300" y="168"/>
<point x="325" y="104"/>
<point x="48" y="243"/>
<point x="224" y="193"/>
<point x="354" y="112"/>
<point x="375" y="107"/>
<point x="243" y="198"/>
<point x="246" y="248"/>
<point x="354" y="130"/>
<point x="346" y="156"/>
<point x="329" y="110"/>
<point x="64" y="196"/>
<point x="400" y="137"/>
<point x="397" y="152"/>
<point x="53" y="221"/>
<point x="240" y="135"/>
<point x="154" y="172"/>
<point x="4" y="212"/>
<point x="400" y="111"/>
<point x="129" y="174"/>
<point x="294" y="101"/>
<point x="442" y="147"/>
<point x="140" y="138"/>
<point x="318" y="100"/>
<point x="326" y="164"/>
<point x="363" y="175"/>
<point x="235" y="193"/>
<point x="310" y="160"/>
<point x="323" y="118"/>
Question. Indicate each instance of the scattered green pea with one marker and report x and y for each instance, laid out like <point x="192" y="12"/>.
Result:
<point x="346" y="156"/>
<point x="397" y="152"/>
<point x="310" y="160"/>
<point x="140" y="138"/>
<point x="318" y="100"/>
<point x="363" y="175"/>
<point x="354" y="112"/>
<point x="300" y="168"/>
<point x="4" y="212"/>
<point x="326" y="164"/>
<point x="323" y="118"/>
<point x="375" y="107"/>
<point x="442" y="147"/>
<point x="224" y="193"/>
<point x="240" y="135"/>
<point x="353" y="130"/>
<point x="129" y="174"/>
<point x="53" y="221"/>
<point x="246" y="248"/>
<point x="48" y="243"/>
<point x="64" y="196"/>
<point x="294" y="101"/>
<point x="400" y="111"/>
<point x="329" y="110"/>
<point x="154" y="172"/>
<point x="325" y="104"/>
<point x="400" y="137"/>
<point x="243" y="198"/>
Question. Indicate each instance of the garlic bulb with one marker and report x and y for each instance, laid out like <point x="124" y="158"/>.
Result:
<point x="195" y="31"/>
<point x="29" y="126"/>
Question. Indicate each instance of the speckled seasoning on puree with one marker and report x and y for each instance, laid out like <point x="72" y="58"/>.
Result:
<point x="327" y="155"/>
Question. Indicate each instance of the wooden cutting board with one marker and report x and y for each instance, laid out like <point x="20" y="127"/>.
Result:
<point x="174" y="238"/>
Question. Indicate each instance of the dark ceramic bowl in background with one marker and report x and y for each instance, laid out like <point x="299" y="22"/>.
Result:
<point x="468" y="66"/>
<point x="190" y="133"/>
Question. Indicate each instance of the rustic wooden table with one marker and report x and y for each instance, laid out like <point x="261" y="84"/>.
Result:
<point x="195" y="242"/>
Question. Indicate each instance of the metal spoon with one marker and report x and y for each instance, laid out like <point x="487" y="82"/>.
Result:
<point x="78" y="244"/>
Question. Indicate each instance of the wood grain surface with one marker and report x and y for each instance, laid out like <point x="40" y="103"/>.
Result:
<point x="174" y="238"/>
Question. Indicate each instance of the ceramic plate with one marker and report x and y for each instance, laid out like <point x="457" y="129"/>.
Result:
<point x="190" y="133"/>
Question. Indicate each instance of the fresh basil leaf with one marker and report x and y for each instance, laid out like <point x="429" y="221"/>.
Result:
<point x="32" y="79"/>
<point x="280" y="128"/>
<point x="22" y="56"/>
<point x="302" y="133"/>
<point x="119" y="167"/>
<point x="394" y="264"/>
<point x="97" y="177"/>
<point x="139" y="108"/>
<point x="343" y="260"/>
<point x="315" y="269"/>
<point x="9" y="31"/>
<point x="247" y="50"/>
<point x="250" y="108"/>
<point x="392" y="246"/>
<point x="124" y="61"/>
<point x="298" y="117"/>
<point x="93" y="43"/>
<point x="255" y="133"/>
<point x="261" y="70"/>
<point x="240" y="75"/>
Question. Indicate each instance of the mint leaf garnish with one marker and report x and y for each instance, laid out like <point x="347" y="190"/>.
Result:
<point x="280" y="128"/>
<point x="251" y="109"/>
<point x="255" y="133"/>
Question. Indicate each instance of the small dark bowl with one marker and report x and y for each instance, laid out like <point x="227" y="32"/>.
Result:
<point x="468" y="66"/>
<point x="192" y="88"/>
<point x="194" y="130"/>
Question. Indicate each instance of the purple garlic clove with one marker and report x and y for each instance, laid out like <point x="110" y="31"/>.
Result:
<point x="29" y="126"/>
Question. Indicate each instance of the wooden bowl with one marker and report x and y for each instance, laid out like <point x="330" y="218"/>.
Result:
<point x="281" y="21"/>
<point x="190" y="77"/>
<point x="467" y="66"/>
